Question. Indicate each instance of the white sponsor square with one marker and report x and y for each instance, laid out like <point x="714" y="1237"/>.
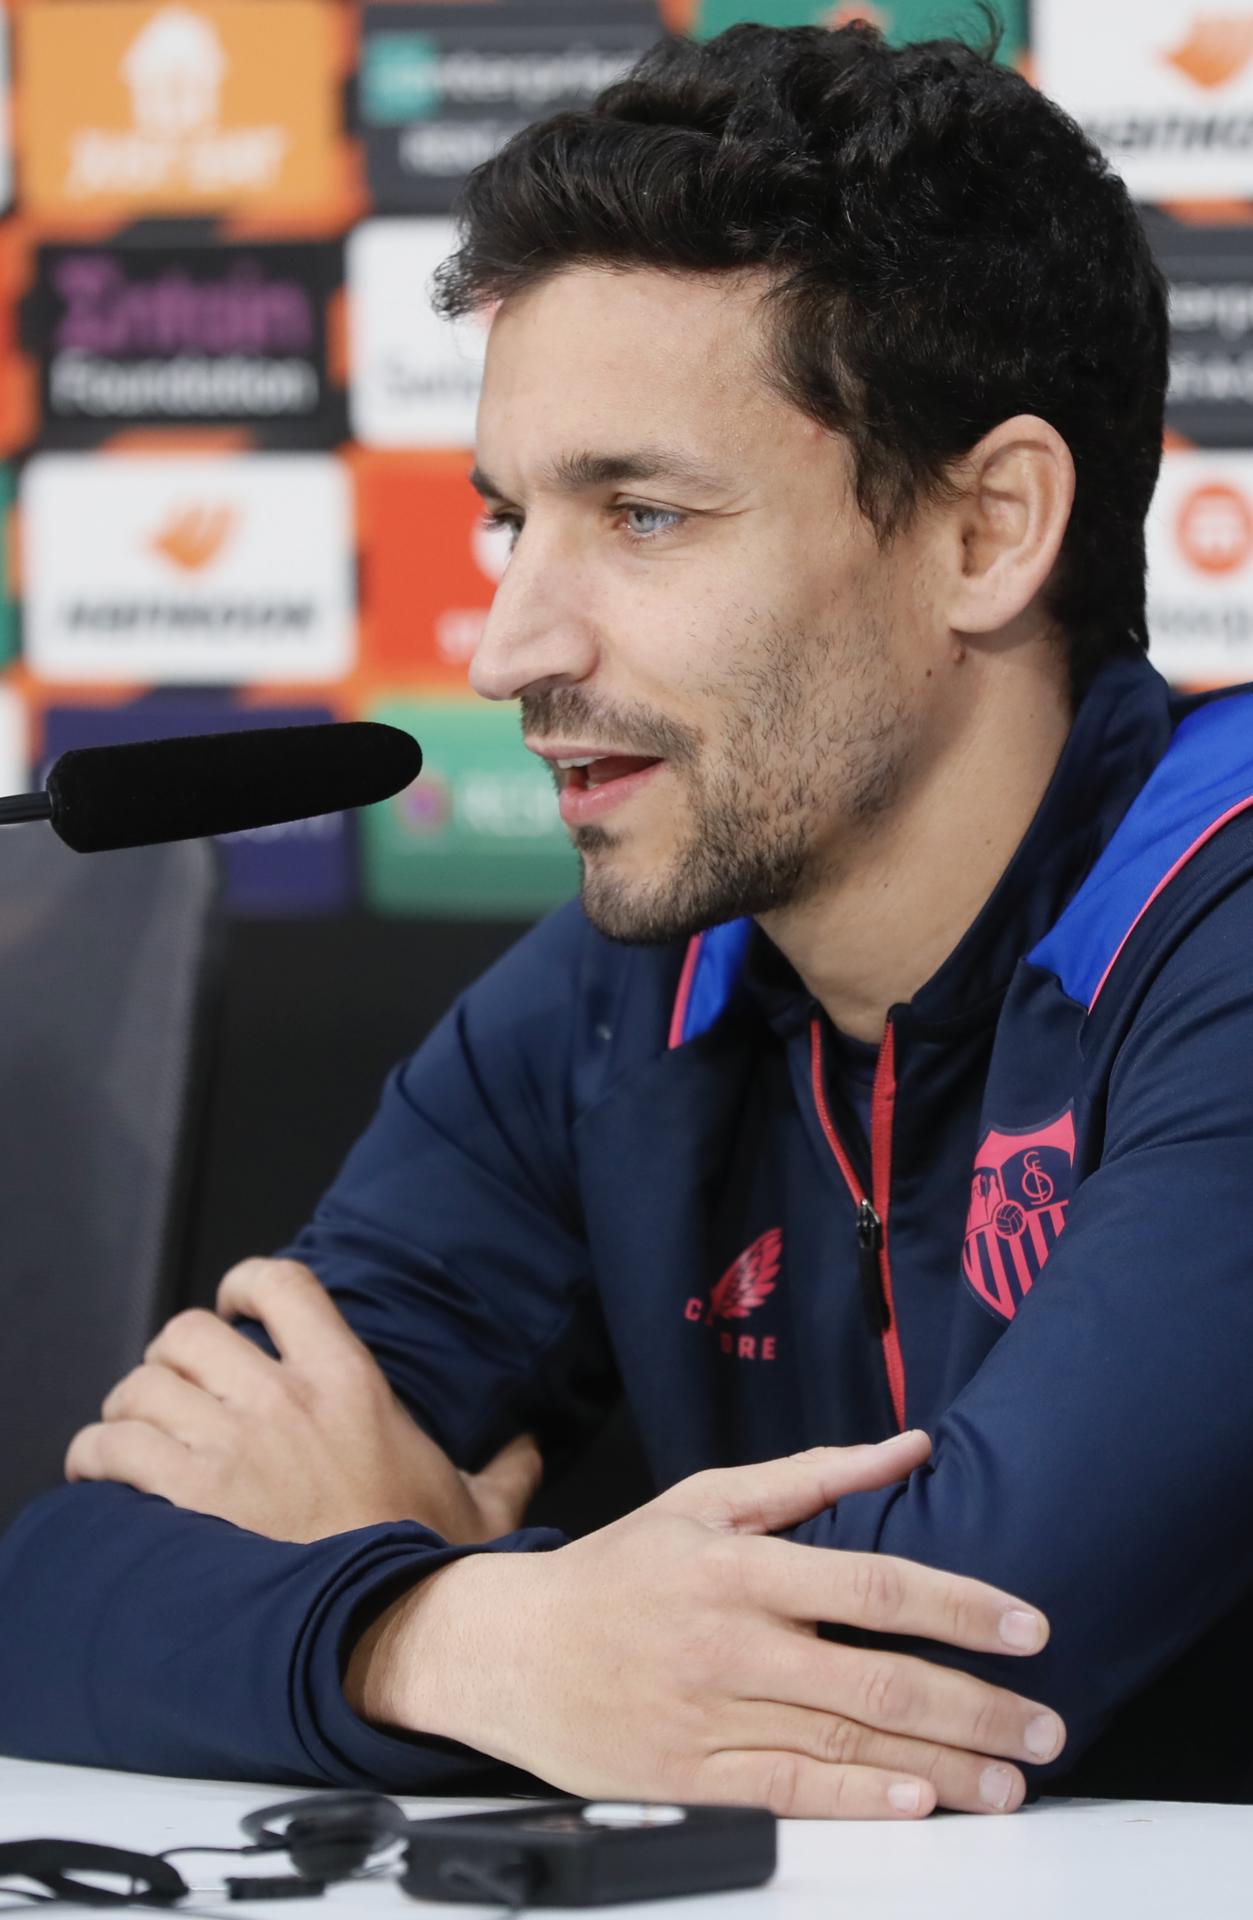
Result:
<point x="1200" y="544"/>
<point x="15" y="774"/>
<point x="414" y="378"/>
<point x="1165" y="87"/>
<point x="187" y="569"/>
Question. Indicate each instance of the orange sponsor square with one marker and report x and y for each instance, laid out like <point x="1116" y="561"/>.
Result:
<point x="177" y="106"/>
<point x="429" y="567"/>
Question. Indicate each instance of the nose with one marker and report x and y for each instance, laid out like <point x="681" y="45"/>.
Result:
<point x="539" y="632"/>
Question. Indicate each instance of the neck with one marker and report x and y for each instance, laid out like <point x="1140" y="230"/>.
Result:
<point x="902" y="896"/>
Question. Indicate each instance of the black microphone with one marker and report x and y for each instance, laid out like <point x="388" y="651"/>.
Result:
<point x="102" y="798"/>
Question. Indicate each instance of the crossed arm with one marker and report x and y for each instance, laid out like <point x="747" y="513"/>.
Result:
<point x="1100" y="1463"/>
<point x="673" y="1653"/>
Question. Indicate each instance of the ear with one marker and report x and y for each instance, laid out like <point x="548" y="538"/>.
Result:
<point x="1006" y="530"/>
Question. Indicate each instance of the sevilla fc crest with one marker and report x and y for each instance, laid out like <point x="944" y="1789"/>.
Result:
<point x="1018" y="1200"/>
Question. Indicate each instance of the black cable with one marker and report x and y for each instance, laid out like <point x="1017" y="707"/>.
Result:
<point x="156" y="1906"/>
<point x="54" y="1900"/>
<point x="170" y="1851"/>
<point x="512" y="1886"/>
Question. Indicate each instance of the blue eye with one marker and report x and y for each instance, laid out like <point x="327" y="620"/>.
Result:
<point x="654" y="514"/>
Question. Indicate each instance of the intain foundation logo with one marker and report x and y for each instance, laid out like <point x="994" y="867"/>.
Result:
<point x="174" y="107"/>
<point x="1200" y="544"/>
<point x="187" y="569"/>
<point x="192" y="335"/>
<point x="1164" y="86"/>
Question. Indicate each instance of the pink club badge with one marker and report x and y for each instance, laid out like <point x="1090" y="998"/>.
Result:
<point x="1018" y="1200"/>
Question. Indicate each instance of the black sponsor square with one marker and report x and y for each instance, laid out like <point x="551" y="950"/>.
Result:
<point x="186" y="335"/>
<point x="1210" y="271"/>
<point x="441" y="88"/>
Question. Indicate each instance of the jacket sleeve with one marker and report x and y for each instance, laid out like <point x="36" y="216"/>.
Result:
<point x="135" y="1634"/>
<point x="452" y="1239"/>
<point x="1100" y="1463"/>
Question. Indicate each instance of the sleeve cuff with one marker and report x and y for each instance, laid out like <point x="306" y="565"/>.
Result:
<point x="348" y="1750"/>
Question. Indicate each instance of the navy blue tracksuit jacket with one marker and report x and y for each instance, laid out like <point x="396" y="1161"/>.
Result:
<point x="637" y="1166"/>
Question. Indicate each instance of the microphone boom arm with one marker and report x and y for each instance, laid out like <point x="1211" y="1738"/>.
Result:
<point x="16" y="807"/>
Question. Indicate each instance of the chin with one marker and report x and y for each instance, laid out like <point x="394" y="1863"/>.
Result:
<point x="642" y="911"/>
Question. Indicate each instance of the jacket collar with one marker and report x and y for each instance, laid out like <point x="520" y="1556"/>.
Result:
<point x="1121" y="729"/>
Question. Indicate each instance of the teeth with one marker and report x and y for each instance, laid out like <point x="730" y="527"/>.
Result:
<point x="589" y="761"/>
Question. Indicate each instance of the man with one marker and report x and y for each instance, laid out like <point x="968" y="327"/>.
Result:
<point x="892" y="1073"/>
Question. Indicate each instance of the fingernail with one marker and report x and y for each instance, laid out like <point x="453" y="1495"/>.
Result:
<point x="1043" y="1736"/>
<point x="995" y="1787"/>
<point x="1018" y="1628"/>
<point x="905" y="1796"/>
<point x="896" y="1439"/>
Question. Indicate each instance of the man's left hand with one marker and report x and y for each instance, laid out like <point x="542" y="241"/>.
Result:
<point x="310" y="1444"/>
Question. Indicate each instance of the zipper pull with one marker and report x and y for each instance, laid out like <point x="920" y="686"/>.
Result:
<point x="869" y="1246"/>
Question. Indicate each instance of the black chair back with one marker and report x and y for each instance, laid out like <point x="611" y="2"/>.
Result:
<point x="107" y="969"/>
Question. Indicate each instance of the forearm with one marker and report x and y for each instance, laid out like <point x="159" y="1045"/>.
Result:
<point x="442" y="1658"/>
<point x="133" y="1634"/>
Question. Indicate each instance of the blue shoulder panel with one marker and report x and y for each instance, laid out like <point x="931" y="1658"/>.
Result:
<point x="1205" y="774"/>
<point x="718" y="963"/>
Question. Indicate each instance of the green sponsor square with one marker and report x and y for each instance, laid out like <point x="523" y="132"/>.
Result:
<point x="900" y="20"/>
<point x="478" y="833"/>
<point x="399" y="78"/>
<point x="8" y="610"/>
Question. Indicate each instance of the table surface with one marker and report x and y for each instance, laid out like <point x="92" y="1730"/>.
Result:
<point x="1059" y="1860"/>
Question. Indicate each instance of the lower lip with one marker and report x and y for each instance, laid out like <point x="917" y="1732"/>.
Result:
<point x="579" y="806"/>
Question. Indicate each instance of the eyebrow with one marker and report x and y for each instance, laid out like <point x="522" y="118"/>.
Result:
<point x="578" y="472"/>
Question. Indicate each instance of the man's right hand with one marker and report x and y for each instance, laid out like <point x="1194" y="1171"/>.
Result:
<point x="674" y="1656"/>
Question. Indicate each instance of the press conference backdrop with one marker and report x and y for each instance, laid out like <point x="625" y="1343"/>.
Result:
<point x="235" y="439"/>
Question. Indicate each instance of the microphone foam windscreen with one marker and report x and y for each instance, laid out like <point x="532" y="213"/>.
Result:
<point x="181" y="789"/>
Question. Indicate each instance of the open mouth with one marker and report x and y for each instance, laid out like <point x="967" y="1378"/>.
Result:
<point x="591" y="785"/>
<point x="580" y="775"/>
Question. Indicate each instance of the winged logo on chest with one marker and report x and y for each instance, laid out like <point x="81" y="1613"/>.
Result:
<point x="749" y="1280"/>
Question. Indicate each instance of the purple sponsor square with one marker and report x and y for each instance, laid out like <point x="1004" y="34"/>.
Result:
<point x="305" y="866"/>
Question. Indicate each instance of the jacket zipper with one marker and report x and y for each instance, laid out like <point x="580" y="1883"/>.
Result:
<point x="873" y="1262"/>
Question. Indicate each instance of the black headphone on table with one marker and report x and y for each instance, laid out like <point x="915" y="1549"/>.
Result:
<point x="327" y="1836"/>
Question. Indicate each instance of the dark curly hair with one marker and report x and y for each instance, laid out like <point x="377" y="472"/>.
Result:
<point x="944" y="249"/>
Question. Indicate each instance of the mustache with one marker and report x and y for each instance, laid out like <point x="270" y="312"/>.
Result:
<point x="565" y="712"/>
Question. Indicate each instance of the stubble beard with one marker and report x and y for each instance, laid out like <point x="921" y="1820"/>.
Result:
<point x="804" y="770"/>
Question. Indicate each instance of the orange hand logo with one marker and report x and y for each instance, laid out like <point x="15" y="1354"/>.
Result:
<point x="194" y="536"/>
<point x="1218" y="47"/>
<point x="844" y="16"/>
<point x="1214" y="528"/>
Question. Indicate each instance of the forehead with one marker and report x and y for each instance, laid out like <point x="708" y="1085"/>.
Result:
<point x="597" y="357"/>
